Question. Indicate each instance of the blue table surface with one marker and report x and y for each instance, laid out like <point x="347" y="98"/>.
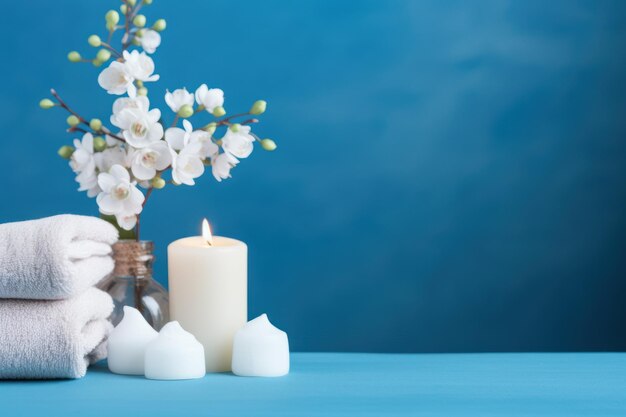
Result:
<point x="342" y="384"/>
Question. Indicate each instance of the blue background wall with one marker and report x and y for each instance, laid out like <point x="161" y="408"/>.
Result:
<point x="451" y="176"/>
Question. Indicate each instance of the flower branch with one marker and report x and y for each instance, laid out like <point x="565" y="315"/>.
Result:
<point x="115" y="168"/>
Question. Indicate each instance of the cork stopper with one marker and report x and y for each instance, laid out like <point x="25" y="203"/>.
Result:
<point x="133" y="259"/>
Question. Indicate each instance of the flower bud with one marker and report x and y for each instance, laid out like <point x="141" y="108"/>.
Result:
<point x="268" y="144"/>
<point x="95" y="124"/>
<point x="96" y="62"/>
<point x="123" y="9"/>
<point x="159" y="25"/>
<point x="46" y="103"/>
<point x="103" y="55"/>
<point x="235" y="127"/>
<point x="99" y="144"/>
<point x="219" y="111"/>
<point x="158" y="183"/>
<point x="143" y="91"/>
<point x="66" y="151"/>
<point x="72" y="120"/>
<point x="185" y="111"/>
<point x="73" y="56"/>
<point x="112" y="17"/>
<point x="94" y="40"/>
<point x="148" y="2"/>
<point x="210" y="128"/>
<point x="139" y="20"/>
<point x="258" y="107"/>
<point x="131" y="2"/>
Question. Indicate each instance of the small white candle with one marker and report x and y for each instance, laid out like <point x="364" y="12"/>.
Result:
<point x="209" y="292"/>
<point x="260" y="349"/>
<point x="128" y="342"/>
<point x="174" y="354"/>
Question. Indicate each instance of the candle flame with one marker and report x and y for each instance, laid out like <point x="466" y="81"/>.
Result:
<point x="206" y="232"/>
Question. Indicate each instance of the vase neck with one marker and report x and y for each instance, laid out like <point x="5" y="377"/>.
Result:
<point x="133" y="258"/>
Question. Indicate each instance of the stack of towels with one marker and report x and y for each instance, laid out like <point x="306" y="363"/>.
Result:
<point x="53" y="322"/>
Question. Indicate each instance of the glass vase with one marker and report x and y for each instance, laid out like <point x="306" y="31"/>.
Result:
<point x="131" y="283"/>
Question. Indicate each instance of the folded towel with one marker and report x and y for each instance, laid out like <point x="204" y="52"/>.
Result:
<point x="53" y="339"/>
<point x="55" y="257"/>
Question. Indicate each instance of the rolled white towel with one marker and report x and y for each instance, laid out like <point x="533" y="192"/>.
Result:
<point x="53" y="339"/>
<point x="55" y="257"/>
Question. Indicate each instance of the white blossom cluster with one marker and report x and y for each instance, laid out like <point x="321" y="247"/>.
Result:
<point x="114" y="164"/>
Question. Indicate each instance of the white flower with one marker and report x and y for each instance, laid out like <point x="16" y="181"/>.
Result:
<point x="83" y="163"/>
<point x="150" y="40"/>
<point x="119" y="197"/>
<point x="239" y="143"/>
<point x="126" y="221"/>
<point x="209" y="98"/>
<point x="208" y="148"/>
<point x="139" y="66"/>
<point x="82" y="158"/>
<point x="147" y="161"/>
<point x="140" y="128"/>
<point x="221" y="165"/>
<point x="187" y="165"/>
<point x="116" y="79"/>
<point x="109" y="157"/>
<point x="177" y="137"/>
<point x="178" y="99"/>
<point x="141" y="103"/>
<point x="119" y="77"/>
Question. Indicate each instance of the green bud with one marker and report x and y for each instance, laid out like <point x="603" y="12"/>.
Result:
<point x="143" y="91"/>
<point x="140" y="32"/>
<point x="268" y="144"/>
<point x="235" y="127"/>
<point x="95" y="124"/>
<point x="147" y="2"/>
<point x="258" y="107"/>
<point x="72" y="120"/>
<point x="219" y="111"/>
<point x="66" y="151"/>
<point x="99" y="144"/>
<point x="73" y="56"/>
<point x="112" y="17"/>
<point x="123" y="9"/>
<point x="103" y="55"/>
<point x="139" y="20"/>
<point x="94" y="40"/>
<point x="46" y="103"/>
<point x="158" y="183"/>
<point x="135" y="41"/>
<point x="185" y="111"/>
<point x="210" y="127"/>
<point x="131" y="2"/>
<point x="96" y="62"/>
<point x="159" y="25"/>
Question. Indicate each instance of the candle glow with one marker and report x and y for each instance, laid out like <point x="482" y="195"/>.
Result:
<point x="206" y="232"/>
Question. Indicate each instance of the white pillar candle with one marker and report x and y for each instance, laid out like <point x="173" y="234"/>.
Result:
<point x="174" y="354"/>
<point x="128" y="342"/>
<point x="208" y="284"/>
<point x="260" y="349"/>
